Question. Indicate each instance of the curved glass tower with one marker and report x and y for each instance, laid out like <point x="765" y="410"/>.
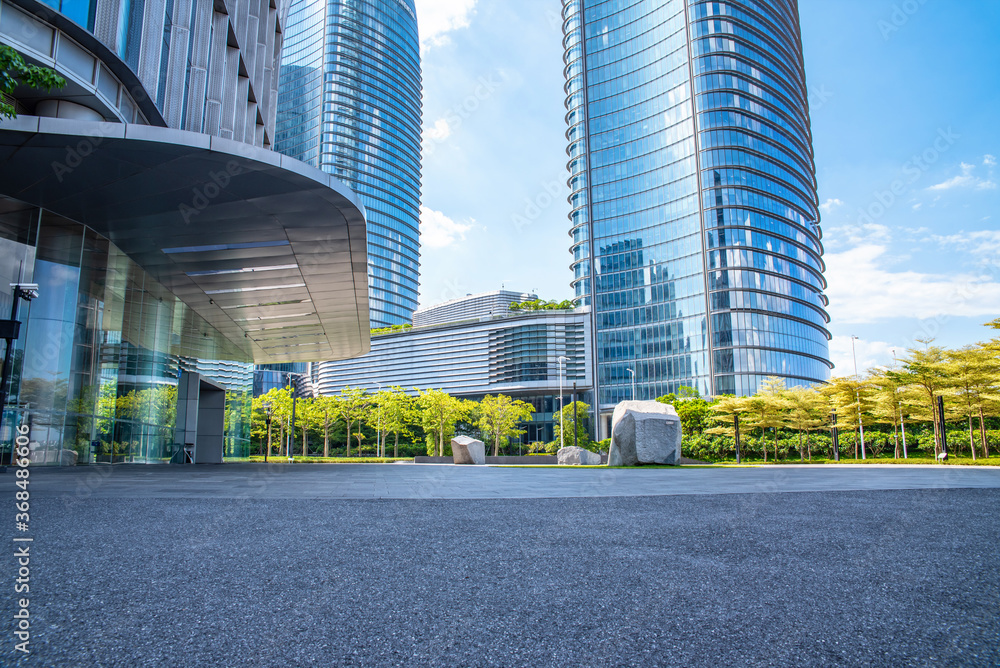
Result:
<point x="694" y="210"/>
<point x="349" y="103"/>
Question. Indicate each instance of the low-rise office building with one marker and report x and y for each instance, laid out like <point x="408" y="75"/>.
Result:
<point x="512" y="353"/>
<point x="495" y="303"/>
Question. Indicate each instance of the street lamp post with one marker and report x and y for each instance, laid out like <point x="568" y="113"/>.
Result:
<point x="902" y="423"/>
<point x="631" y="371"/>
<point x="291" y="431"/>
<point x="562" y="429"/>
<point x="857" y="393"/>
<point x="736" y="437"/>
<point x="291" y="427"/>
<point x="19" y="291"/>
<point x="835" y="437"/>
<point x="902" y="426"/>
<point x="576" y="410"/>
<point x="268" y="416"/>
<point x="378" y="423"/>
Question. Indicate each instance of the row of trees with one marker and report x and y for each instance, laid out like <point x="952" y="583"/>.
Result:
<point x="543" y="305"/>
<point x="887" y="405"/>
<point x="897" y="408"/>
<point x="358" y="421"/>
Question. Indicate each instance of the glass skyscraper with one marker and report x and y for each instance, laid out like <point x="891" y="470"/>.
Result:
<point x="695" y="218"/>
<point x="349" y="103"/>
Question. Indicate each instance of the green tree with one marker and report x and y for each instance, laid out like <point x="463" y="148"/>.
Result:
<point x="887" y="401"/>
<point x="973" y="374"/>
<point x="440" y="412"/>
<point x="391" y="412"/>
<point x="851" y="399"/>
<point x="927" y="373"/>
<point x="398" y="414"/>
<point x="306" y="418"/>
<point x="575" y="413"/>
<point x="767" y="409"/>
<point x="326" y="411"/>
<point x="360" y="436"/>
<point x="724" y="413"/>
<point x="691" y="408"/>
<point x="15" y="72"/>
<point x="351" y="405"/>
<point x="280" y="401"/>
<point x="806" y="413"/>
<point x="500" y="417"/>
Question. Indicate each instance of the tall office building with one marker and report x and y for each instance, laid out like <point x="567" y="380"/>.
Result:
<point x="349" y="103"/>
<point x="695" y="223"/>
<point x="158" y="247"/>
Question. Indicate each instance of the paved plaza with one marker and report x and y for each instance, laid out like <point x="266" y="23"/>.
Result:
<point x="399" y="565"/>
<point x="422" y="481"/>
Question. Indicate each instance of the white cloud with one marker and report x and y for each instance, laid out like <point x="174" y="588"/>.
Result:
<point x="966" y="180"/>
<point x="438" y="230"/>
<point x="985" y="244"/>
<point x="863" y="291"/>
<point x="437" y="18"/>
<point x="870" y="354"/>
<point x="830" y="204"/>
<point x="438" y="132"/>
<point x="855" y="235"/>
<point x="990" y="160"/>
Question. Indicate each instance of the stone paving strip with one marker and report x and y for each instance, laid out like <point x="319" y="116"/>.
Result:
<point x="374" y="481"/>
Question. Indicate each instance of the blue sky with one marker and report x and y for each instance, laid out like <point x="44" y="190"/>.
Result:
<point x="905" y="99"/>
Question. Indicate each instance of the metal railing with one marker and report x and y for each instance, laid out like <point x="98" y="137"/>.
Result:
<point x="18" y="107"/>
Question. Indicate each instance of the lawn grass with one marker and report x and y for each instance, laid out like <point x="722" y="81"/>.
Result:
<point x="954" y="461"/>
<point x="605" y="466"/>
<point x="275" y="459"/>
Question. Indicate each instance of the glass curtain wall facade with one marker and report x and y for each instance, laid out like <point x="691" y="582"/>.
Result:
<point x="349" y="103"/>
<point x="97" y="363"/>
<point x="694" y="211"/>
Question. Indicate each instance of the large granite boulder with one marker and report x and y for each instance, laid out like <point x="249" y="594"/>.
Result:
<point x="467" y="450"/>
<point x="644" y="432"/>
<point x="574" y="456"/>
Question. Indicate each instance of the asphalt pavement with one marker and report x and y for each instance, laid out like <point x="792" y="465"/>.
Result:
<point x="125" y="575"/>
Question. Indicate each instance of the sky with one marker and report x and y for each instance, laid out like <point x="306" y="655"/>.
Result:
<point x="905" y="102"/>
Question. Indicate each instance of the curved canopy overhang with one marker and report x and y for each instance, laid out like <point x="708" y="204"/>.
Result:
<point x="271" y="252"/>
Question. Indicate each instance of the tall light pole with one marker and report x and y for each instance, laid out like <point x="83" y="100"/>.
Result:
<point x="12" y="327"/>
<point x="378" y="423"/>
<point x="902" y="426"/>
<point x="291" y="427"/>
<point x="902" y="423"/>
<point x="633" y="382"/>
<point x="857" y="394"/>
<point x="562" y="430"/>
<point x="268" y="416"/>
